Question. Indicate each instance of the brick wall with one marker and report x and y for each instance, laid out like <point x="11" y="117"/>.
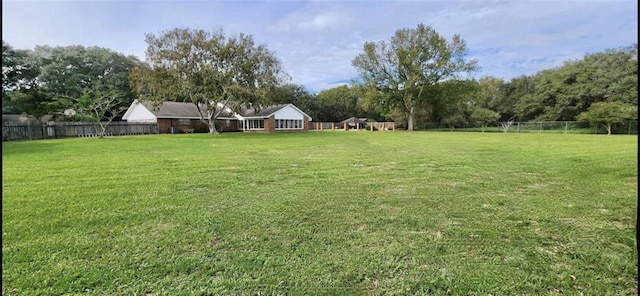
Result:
<point x="164" y="126"/>
<point x="270" y="124"/>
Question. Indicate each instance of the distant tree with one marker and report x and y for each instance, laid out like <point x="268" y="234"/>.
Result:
<point x="407" y="68"/>
<point x="455" y="100"/>
<point x="608" y="113"/>
<point x="297" y="95"/>
<point x="455" y="120"/>
<point x="484" y="117"/>
<point x="341" y="102"/>
<point x="518" y="97"/>
<point x="92" y="81"/>
<point x="491" y="95"/>
<point x="564" y="92"/>
<point x="209" y="69"/>
<point x="20" y="92"/>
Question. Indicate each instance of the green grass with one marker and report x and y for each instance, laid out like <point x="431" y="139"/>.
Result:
<point x="321" y="213"/>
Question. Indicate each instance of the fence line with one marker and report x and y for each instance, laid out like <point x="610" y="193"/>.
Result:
<point x="381" y="126"/>
<point x="12" y="131"/>
<point x="568" y="127"/>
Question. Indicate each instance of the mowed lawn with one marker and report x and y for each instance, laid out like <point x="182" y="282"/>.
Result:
<point x="321" y="213"/>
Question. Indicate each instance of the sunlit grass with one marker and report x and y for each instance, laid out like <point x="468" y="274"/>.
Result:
<point x="322" y="213"/>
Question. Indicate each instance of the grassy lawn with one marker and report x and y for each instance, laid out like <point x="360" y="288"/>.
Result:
<point x="321" y="213"/>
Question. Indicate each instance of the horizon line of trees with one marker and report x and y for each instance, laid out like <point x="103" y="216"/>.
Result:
<point x="415" y="77"/>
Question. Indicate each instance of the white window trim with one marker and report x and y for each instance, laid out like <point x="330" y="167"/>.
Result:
<point x="251" y="124"/>
<point x="289" y="124"/>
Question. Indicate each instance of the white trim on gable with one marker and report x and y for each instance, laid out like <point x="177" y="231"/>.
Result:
<point x="137" y="112"/>
<point x="297" y="109"/>
<point x="288" y="112"/>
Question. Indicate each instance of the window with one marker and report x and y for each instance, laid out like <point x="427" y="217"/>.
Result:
<point x="289" y="124"/>
<point x="228" y="122"/>
<point x="184" y="121"/>
<point x="255" y="124"/>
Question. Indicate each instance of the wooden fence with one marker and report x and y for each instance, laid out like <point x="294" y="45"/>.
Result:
<point x="380" y="126"/>
<point x="31" y="131"/>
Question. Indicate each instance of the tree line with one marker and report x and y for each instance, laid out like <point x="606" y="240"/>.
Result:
<point x="417" y="76"/>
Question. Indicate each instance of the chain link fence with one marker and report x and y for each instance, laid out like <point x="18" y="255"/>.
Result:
<point x="629" y="127"/>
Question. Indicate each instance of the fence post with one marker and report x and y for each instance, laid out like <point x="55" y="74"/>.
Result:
<point x="566" y="126"/>
<point x="518" y="131"/>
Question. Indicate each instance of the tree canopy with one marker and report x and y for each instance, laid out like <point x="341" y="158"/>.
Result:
<point x="93" y="81"/>
<point x="210" y="69"/>
<point x="47" y="80"/>
<point x="414" y="78"/>
<point x="408" y="67"/>
<point x="608" y="113"/>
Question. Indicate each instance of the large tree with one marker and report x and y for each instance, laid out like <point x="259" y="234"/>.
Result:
<point x="291" y="93"/>
<point x="408" y="67"/>
<point x="207" y="68"/>
<point x="608" y="113"/>
<point x="92" y="81"/>
<point x="20" y="93"/>
<point x="340" y="103"/>
<point x="564" y="92"/>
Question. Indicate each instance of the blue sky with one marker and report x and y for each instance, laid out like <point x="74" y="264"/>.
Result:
<point x="317" y="40"/>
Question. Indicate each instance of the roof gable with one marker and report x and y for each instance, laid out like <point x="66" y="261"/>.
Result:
<point x="268" y="111"/>
<point x="176" y="110"/>
<point x="189" y="110"/>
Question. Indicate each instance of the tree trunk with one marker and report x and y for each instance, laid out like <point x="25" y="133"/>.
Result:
<point x="212" y="127"/>
<point x="608" y="129"/>
<point x="211" y="120"/>
<point x="100" y="129"/>
<point x="410" y="120"/>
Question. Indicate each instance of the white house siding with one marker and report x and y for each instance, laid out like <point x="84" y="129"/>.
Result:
<point x="288" y="113"/>
<point x="140" y="113"/>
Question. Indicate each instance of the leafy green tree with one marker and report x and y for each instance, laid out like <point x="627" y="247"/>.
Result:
<point x="209" y="69"/>
<point x="484" y="117"/>
<point x="93" y="81"/>
<point x="20" y="92"/>
<point x="608" y="113"/>
<point x="341" y="102"/>
<point x="297" y="95"/>
<point x="455" y="120"/>
<point x="518" y="96"/>
<point x="455" y="99"/>
<point x="408" y="67"/>
<point x="491" y="95"/>
<point x="564" y="92"/>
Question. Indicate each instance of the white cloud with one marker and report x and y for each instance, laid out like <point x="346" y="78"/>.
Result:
<point x="326" y="21"/>
<point x="317" y="40"/>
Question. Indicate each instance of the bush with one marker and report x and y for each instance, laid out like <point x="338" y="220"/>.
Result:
<point x="200" y="127"/>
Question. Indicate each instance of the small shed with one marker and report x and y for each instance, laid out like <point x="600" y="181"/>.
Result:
<point x="355" y="123"/>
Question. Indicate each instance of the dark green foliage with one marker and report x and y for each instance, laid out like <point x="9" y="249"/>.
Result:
<point x="608" y="113"/>
<point x="91" y="80"/>
<point x="210" y="69"/>
<point x="403" y="74"/>
<point x="20" y="92"/>
<point x="564" y="92"/>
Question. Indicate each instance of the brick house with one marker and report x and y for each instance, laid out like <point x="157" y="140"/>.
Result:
<point x="177" y="117"/>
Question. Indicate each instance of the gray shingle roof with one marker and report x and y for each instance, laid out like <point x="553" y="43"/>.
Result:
<point x="175" y="110"/>
<point x="354" y="120"/>
<point x="246" y="112"/>
<point x="189" y="110"/>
